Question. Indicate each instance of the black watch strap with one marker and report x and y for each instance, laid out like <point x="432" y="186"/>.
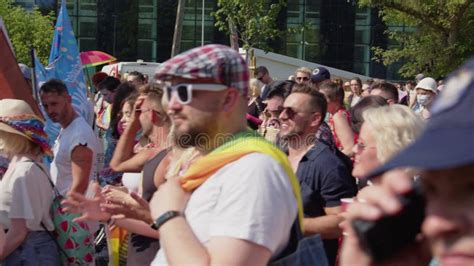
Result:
<point x="164" y="218"/>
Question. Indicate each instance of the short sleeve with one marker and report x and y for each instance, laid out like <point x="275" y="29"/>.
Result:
<point x="256" y="203"/>
<point x="337" y="184"/>
<point x="21" y="206"/>
<point x="79" y="140"/>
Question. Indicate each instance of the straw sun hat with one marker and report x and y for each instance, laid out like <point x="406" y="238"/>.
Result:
<point x="17" y="117"/>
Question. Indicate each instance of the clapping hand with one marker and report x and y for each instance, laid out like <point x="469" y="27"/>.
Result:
<point x="119" y="194"/>
<point x="88" y="208"/>
<point x="130" y="206"/>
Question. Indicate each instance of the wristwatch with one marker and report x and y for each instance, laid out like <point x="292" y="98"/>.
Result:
<point x="164" y="218"/>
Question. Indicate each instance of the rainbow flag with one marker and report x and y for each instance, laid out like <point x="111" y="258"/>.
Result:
<point x="241" y="145"/>
<point x="65" y="64"/>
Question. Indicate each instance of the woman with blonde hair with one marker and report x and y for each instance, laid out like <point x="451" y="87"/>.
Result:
<point x="385" y="131"/>
<point x="25" y="191"/>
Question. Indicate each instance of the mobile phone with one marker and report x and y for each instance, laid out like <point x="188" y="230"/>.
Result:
<point x="386" y="236"/>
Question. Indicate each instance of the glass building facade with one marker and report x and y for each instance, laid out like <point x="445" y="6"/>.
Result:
<point x="336" y="32"/>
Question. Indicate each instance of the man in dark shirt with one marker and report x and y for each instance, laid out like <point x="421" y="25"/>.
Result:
<point x="323" y="176"/>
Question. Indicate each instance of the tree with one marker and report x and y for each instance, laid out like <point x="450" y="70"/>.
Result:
<point x="441" y="38"/>
<point x="254" y="21"/>
<point x="28" y="29"/>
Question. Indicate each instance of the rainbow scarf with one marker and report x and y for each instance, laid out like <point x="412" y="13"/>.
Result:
<point x="32" y="128"/>
<point x="241" y="145"/>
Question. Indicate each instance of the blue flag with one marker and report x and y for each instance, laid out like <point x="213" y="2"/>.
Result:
<point x="65" y="64"/>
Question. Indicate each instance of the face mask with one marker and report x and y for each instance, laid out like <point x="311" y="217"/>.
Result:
<point x="326" y="118"/>
<point x="422" y="99"/>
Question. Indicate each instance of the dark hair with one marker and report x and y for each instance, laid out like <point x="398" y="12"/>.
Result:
<point x="109" y="83"/>
<point x="318" y="101"/>
<point x="122" y="92"/>
<point x="131" y="99"/>
<point x="364" y="104"/>
<point x="388" y="90"/>
<point x="54" y="86"/>
<point x="261" y="69"/>
<point x="358" y="82"/>
<point x="137" y="74"/>
<point x="280" y="88"/>
<point x="334" y="91"/>
<point x="98" y="77"/>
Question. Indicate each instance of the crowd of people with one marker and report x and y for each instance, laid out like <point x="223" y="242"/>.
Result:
<point x="205" y="165"/>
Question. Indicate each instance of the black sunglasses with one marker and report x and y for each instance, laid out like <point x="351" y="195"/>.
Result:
<point x="291" y="113"/>
<point x="302" y="78"/>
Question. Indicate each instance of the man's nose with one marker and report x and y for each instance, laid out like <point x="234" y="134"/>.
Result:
<point x="283" y="115"/>
<point x="173" y="103"/>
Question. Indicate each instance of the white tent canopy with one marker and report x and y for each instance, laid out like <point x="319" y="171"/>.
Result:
<point x="281" y="66"/>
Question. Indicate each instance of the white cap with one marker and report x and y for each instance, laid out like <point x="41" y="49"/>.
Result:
<point x="428" y="84"/>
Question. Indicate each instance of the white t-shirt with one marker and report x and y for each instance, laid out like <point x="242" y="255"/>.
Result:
<point x="25" y="193"/>
<point x="248" y="199"/>
<point x="75" y="134"/>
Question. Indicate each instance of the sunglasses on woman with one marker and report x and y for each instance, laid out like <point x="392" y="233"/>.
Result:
<point x="184" y="91"/>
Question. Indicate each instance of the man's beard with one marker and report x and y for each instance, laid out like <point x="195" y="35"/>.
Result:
<point x="195" y="137"/>
<point x="297" y="135"/>
<point x="294" y="133"/>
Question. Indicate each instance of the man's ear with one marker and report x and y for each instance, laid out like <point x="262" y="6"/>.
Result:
<point x="69" y="98"/>
<point x="158" y="119"/>
<point x="316" y="119"/>
<point x="230" y="99"/>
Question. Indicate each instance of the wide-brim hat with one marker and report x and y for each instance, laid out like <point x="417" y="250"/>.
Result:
<point x="448" y="139"/>
<point x="11" y="108"/>
<point x="17" y="117"/>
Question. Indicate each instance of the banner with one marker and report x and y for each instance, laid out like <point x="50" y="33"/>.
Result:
<point x="65" y="64"/>
<point x="12" y="83"/>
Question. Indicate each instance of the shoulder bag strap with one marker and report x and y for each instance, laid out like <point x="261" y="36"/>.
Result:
<point x="49" y="178"/>
<point x="42" y="224"/>
<point x="54" y="239"/>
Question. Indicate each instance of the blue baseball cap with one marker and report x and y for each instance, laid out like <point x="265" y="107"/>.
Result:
<point x="448" y="139"/>
<point x="320" y="74"/>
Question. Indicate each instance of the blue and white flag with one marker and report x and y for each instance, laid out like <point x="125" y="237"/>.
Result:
<point x="65" y="64"/>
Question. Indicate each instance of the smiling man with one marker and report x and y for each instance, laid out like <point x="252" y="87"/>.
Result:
<point x="323" y="176"/>
<point x="236" y="204"/>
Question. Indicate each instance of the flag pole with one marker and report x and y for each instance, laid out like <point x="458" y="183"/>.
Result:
<point x="34" y="84"/>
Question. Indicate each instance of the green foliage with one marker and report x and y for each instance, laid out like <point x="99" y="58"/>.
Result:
<point x="441" y="38"/>
<point x="254" y="20"/>
<point x="28" y="29"/>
